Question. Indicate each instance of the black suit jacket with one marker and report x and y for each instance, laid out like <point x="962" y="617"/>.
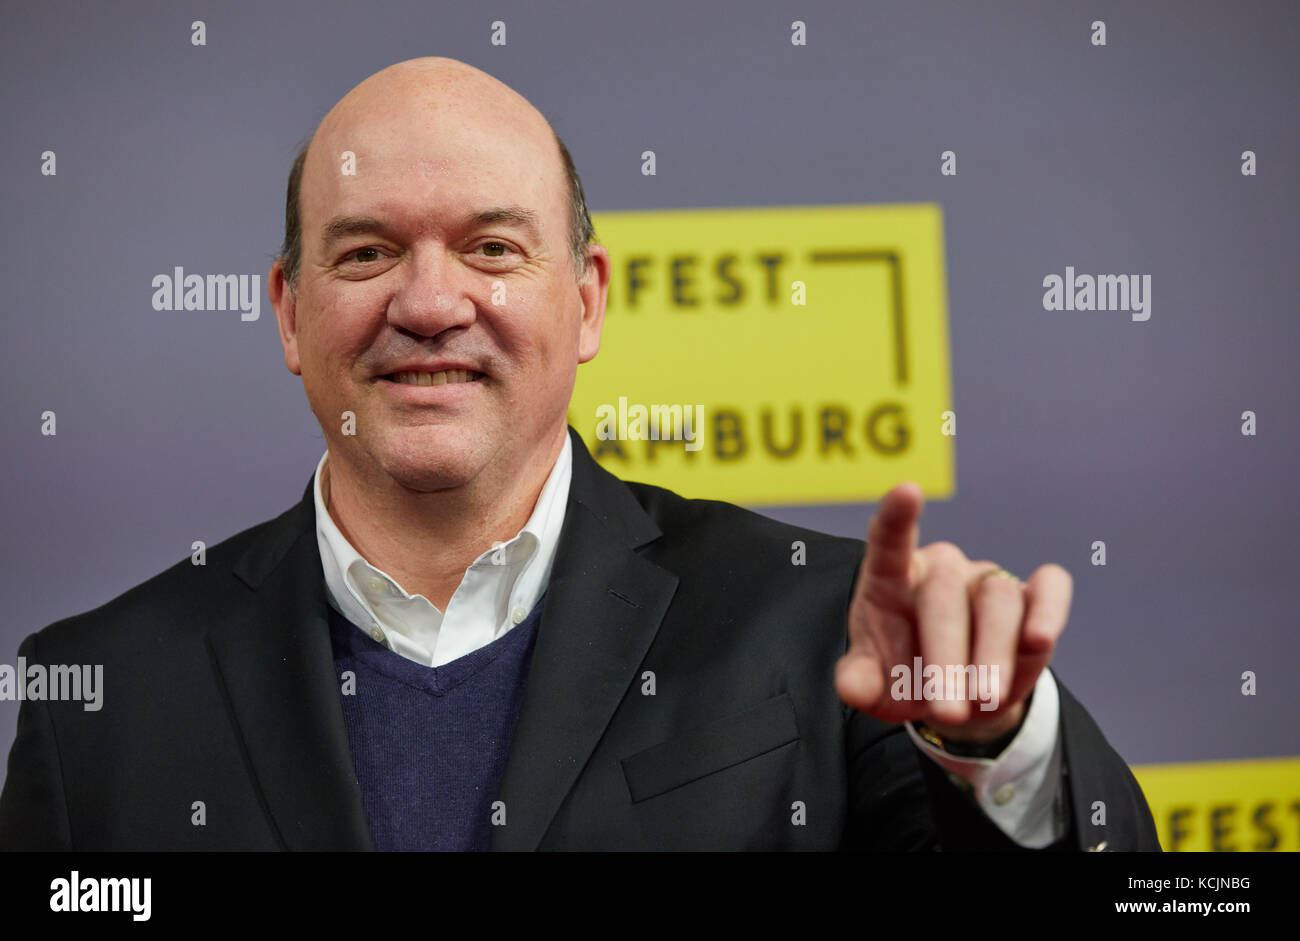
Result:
<point x="219" y="687"/>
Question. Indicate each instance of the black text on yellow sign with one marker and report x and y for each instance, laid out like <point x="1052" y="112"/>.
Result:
<point x="791" y="355"/>
<point x="1225" y="806"/>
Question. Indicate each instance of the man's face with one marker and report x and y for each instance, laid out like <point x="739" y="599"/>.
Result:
<point x="436" y="299"/>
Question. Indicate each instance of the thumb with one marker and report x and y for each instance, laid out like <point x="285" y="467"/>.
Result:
<point x="859" y="678"/>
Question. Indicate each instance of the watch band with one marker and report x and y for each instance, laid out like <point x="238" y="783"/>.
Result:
<point x="972" y="749"/>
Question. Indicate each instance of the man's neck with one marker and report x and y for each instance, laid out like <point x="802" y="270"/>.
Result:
<point x="426" y="541"/>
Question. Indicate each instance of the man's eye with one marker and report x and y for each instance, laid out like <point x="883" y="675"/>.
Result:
<point x="363" y="255"/>
<point x="490" y="248"/>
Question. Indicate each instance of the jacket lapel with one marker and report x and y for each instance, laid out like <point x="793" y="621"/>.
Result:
<point x="276" y="667"/>
<point x="604" y="604"/>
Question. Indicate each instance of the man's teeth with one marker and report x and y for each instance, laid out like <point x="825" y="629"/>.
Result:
<point x="435" y="378"/>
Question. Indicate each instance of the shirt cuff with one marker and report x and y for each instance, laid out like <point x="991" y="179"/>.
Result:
<point x="1020" y="790"/>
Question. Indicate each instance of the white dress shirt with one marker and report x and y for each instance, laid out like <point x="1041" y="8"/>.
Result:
<point x="498" y="590"/>
<point x="1019" y="790"/>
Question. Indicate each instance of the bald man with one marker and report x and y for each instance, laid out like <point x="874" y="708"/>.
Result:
<point x="467" y="635"/>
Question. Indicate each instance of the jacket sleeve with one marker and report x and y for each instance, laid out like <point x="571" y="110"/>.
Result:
<point x="899" y="800"/>
<point x="33" y="811"/>
<point x="1100" y="787"/>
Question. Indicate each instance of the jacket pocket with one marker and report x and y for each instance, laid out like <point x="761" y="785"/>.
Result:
<point x="711" y="748"/>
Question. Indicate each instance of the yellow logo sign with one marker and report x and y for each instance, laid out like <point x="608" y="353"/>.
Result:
<point x="769" y="356"/>
<point x="1224" y="806"/>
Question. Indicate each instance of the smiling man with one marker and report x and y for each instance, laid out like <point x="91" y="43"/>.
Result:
<point x="467" y="635"/>
<point x="433" y="295"/>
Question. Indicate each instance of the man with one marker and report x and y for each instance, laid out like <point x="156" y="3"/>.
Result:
<point x="467" y="635"/>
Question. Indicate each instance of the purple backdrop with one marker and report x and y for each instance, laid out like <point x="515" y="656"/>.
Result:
<point x="1074" y="426"/>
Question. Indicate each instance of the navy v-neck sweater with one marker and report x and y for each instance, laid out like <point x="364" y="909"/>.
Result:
<point x="429" y="744"/>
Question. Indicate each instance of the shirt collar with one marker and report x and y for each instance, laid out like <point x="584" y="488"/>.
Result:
<point x="526" y="559"/>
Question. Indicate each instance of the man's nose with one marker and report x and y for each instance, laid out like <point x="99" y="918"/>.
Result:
<point x="433" y="295"/>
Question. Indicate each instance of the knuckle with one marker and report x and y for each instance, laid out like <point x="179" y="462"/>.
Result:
<point x="946" y="554"/>
<point x="998" y="589"/>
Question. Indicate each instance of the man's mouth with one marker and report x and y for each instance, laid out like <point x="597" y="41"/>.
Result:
<point x="444" y="377"/>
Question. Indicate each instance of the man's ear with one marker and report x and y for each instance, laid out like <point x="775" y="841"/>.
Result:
<point x="286" y="315"/>
<point x="594" y="288"/>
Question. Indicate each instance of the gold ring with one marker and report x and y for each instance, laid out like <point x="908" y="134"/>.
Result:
<point x="1002" y="573"/>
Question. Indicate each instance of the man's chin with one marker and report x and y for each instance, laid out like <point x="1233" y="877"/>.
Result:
<point x="444" y="473"/>
<point x="432" y="465"/>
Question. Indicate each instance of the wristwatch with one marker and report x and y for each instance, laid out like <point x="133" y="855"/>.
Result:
<point x="972" y="749"/>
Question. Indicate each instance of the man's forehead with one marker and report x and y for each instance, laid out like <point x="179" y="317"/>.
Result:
<point x="400" y="186"/>
<point x="419" y="137"/>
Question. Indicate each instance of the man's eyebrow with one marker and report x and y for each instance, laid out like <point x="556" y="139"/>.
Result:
<point x="525" y="219"/>
<point x="343" y="226"/>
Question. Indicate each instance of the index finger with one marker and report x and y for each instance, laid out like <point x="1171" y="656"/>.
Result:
<point x="894" y="532"/>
